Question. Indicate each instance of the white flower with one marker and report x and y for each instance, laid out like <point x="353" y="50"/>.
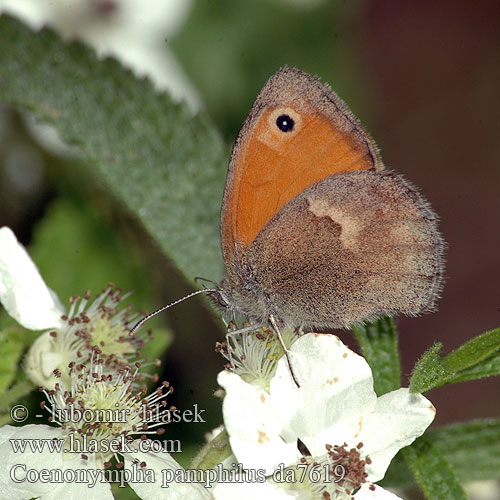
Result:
<point x="89" y="325"/>
<point x="98" y="416"/>
<point x="73" y="336"/>
<point x="254" y="355"/>
<point x="270" y="491"/>
<point x="23" y="292"/>
<point x="334" y="418"/>
<point x="16" y="467"/>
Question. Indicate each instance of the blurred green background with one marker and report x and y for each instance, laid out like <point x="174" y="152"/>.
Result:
<point x="422" y="77"/>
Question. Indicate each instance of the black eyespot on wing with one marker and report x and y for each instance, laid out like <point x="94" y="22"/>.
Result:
<point x="285" y="123"/>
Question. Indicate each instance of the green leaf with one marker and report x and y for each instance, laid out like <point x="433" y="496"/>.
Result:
<point x="429" y="371"/>
<point x="474" y="351"/>
<point x="434" y="474"/>
<point x="472" y="449"/>
<point x="213" y="452"/>
<point x="477" y="358"/>
<point x="123" y="492"/>
<point x="11" y="349"/>
<point x="399" y="474"/>
<point x="486" y="368"/>
<point x="166" y="166"/>
<point x="379" y="341"/>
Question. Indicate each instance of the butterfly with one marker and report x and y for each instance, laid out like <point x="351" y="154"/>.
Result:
<point x="315" y="232"/>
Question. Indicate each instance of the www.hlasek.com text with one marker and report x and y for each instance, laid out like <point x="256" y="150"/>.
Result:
<point x="76" y="443"/>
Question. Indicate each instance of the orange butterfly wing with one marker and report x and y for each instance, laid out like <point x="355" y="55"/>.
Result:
<point x="270" y="165"/>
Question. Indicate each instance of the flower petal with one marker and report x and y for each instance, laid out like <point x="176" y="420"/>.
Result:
<point x="13" y="483"/>
<point x="250" y="491"/>
<point x="254" y="430"/>
<point x="40" y="361"/>
<point x="94" y="483"/>
<point x="399" y="419"/>
<point x="160" y="465"/>
<point x="336" y="387"/>
<point x="23" y="292"/>
<point x="374" y="492"/>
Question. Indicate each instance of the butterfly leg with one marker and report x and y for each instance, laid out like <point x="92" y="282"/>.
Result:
<point x="272" y="320"/>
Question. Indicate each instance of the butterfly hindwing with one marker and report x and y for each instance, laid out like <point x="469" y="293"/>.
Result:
<point x="352" y="247"/>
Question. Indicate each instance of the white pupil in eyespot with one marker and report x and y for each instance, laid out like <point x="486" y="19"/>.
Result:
<point x="285" y="123"/>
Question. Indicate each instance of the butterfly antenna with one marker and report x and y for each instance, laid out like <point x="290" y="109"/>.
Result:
<point x="158" y="311"/>
<point x="199" y="278"/>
